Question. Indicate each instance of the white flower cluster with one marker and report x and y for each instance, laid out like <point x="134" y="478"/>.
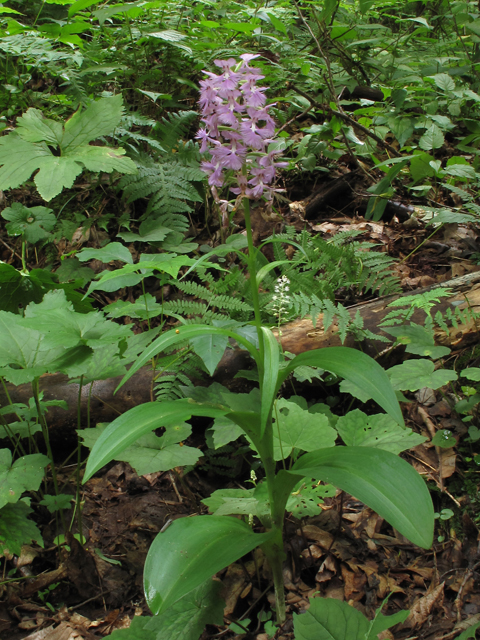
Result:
<point x="281" y="300"/>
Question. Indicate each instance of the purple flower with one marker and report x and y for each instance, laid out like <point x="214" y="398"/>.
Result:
<point x="238" y="130"/>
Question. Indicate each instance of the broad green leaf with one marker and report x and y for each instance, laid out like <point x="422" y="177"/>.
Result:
<point x="112" y="251"/>
<point x="278" y="24"/>
<point x="21" y="156"/>
<point x="189" y="552"/>
<point x="330" y="619"/>
<point x="33" y="224"/>
<point x="25" y="474"/>
<point x="71" y="269"/>
<point x="186" y="618"/>
<point x="444" y="81"/>
<point x="231" y="502"/>
<point x="418" y="340"/>
<point x="471" y="631"/>
<point x="79" y="5"/>
<point x="402" y="128"/>
<point x="223" y="431"/>
<point x="243" y="27"/>
<point x="16" y="529"/>
<point x="181" y="334"/>
<point x="296" y="428"/>
<point x="416" y="374"/>
<point x="444" y="439"/>
<point x="61" y="326"/>
<point x="144" y="307"/>
<point x="125" y="430"/>
<point x="432" y="138"/>
<point x="151" y="453"/>
<point x="356" y="366"/>
<point x="270" y="374"/>
<point x="471" y="373"/>
<point x="380" y="479"/>
<point x="34" y="127"/>
<point x="210" y="348"/>
<point x="57" y="503"/>
<point x="420" y="167"/>
<point x="306" y="498"/>
<point x="380" y="431"/>
<point x="461" y="171"/>
<point x="99" y="119"/>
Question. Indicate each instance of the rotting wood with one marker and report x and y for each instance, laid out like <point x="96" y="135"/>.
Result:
<point x="296" y="337"/>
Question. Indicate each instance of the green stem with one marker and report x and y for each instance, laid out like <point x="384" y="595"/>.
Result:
<point x="252" y="268"/>
<point x="46" y="437"/>
<point x="78" y="501"/>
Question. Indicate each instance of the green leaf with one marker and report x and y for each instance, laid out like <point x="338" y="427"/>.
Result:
<point x="444" y="438"/>
<point x="189" y="552"/>
<point x="34" y="224"/>
<point x="125" y="430"/>
<point x="358" y="429"/>
<point x="444" y="82"/>
<point x="71" y="269"/>
<point x="278" y="24"/>
<point x="307" y="497"/>
<point x="181" y="334"/>
<point x="416" y="374"/>
<point x="383" y="481"/>
<point x="186" y="618"/>
<point x="270" y="374"/>
<point x="418" y="340"/>
<point x="299" y="429"/>
<point x="471" y="631"/>
<point x="25" y="150"/>
<point x="25" y="474"/>
<point x="356" y="366"/>
<point x="151" y="453"/>
<point x="223" y="431"/>
<point x="112" y="251"/>
<point x="16" y="529"/>
<point x="431" y="139"/>
<point x="471" y="373"/>
<point x="144" y="307"/>
<point x="210" y="348"/>
<point x="420" y="167"/>
<point x="57" y="503"/>
<point x="330" y="619"/>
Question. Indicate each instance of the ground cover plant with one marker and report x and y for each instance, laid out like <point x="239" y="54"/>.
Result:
<point x="136" y="243"/>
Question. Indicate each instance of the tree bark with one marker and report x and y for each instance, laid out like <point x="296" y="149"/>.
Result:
<point x="296" y="337"/>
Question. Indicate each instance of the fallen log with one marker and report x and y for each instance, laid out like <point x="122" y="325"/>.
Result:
<point x="296" y="337"/>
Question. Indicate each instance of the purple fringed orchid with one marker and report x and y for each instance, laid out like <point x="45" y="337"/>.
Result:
<point x="238" y="131"/>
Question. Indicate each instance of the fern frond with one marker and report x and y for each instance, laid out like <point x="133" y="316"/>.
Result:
<point x="174" y="127"/>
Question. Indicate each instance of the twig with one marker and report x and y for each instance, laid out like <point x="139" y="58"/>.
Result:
<point x="350" y="120"/>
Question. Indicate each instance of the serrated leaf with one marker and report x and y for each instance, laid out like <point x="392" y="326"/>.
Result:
<point x="444" y="81"/>
<point x="21" y="156"/>
<point x="431" y="139"/>
<point x="416" y="374"/>
<point x="383" y="481"/>
<point x="34" y="224"/>
<point x="306" y="498"/>
<point x="16" y="529"/>
<point x="99" y="119"/>
<point x="296" y="428"/>
<point x="230" y="502"/>
<point x="380" y="431"/>
<point x="25" y="474"/>
<point x="151" y="453"/>
<point x="112" y="251"/>
<point x="190" y="551"/>
<point x="34" y="127"/>
<point x="420" y="167"/>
